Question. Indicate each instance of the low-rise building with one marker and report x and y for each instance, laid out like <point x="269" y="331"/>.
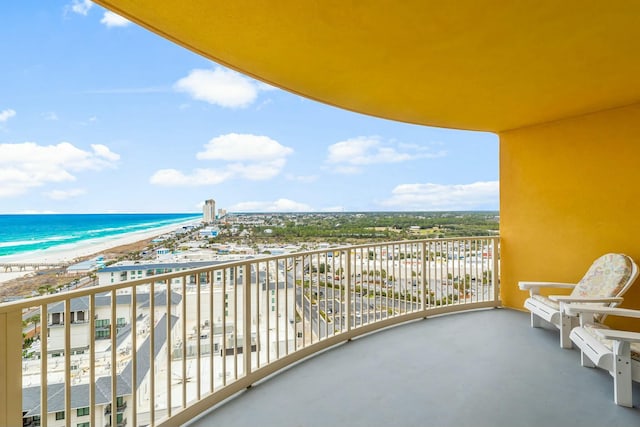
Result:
<point x="124" y="271"/>
<point x="79" y="319"/>
<point x="128" y="388"/>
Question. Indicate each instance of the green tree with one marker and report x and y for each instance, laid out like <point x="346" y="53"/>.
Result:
<point x="35" y="319"/>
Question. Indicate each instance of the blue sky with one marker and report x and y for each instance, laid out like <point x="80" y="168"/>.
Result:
<point x="100" y="115"/>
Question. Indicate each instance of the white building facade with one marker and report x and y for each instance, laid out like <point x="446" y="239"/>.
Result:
<point x="209" y="211"/>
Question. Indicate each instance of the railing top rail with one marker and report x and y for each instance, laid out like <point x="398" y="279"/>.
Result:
<point x="397" y="242"/>
<point x="367" y="245"/>
<point x="77" y="293"/>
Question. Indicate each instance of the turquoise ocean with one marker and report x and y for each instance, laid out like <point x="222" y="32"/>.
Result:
<point x="21" y="234"/>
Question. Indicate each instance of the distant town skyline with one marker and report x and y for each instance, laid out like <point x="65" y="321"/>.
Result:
<point x="100" y="115"/>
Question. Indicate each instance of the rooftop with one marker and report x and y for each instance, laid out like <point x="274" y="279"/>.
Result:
<point x="153" y="265"/>
<point x="80" y="392"/>
<point x="104" y="300"/>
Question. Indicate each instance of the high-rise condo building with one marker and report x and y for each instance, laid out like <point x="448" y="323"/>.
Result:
<point x="209" y="211"/>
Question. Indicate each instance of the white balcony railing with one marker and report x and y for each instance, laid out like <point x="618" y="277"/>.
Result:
<point x="188" y="346"/>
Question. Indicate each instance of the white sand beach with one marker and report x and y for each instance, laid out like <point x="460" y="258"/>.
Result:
<point x="67" y="253"/>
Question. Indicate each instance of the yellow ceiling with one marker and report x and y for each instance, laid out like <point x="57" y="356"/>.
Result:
<point x="470" y="64"/>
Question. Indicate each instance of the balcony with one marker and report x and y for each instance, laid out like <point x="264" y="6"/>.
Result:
<point x="567" y="169"/>
<point x="119" y="408"/>
<point x="186" y="354"/>
<point x="250" y="319"/>
<point x="61" y="323"/>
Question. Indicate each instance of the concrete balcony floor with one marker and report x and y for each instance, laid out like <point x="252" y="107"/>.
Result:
<point x="481" y="368"/>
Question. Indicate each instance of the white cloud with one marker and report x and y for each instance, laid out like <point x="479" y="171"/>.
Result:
<point x="478" y="195"/>
<point x="27" y="165"/>
<point x="80" y="7"/>
<point x="245" y="156"/>
<point x="104" y="152"/>
<point x="243" y="147"/>
<point x="111" y="19"/>
<point x="350" y="155"/>
<point x="221" y="87"/>
<point x="280" y="205"/>
<point x="265" y="86"/>
<point x="65" y="194"/>
<point x="6" y="115"/>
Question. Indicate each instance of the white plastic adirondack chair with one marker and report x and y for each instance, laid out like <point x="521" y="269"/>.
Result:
<point x="613" y="350"/>
<point x="605" y="282"/>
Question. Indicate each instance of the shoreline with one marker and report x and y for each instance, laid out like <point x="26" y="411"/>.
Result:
<point x="85" y="249"/>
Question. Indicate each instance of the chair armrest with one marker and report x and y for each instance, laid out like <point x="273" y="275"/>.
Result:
<point x="614" y="334"/>
<point x="575" y="309"/>
<point x="534" y="287"/>
<point x="537" y="285"/>
<point x="569" y="298"/>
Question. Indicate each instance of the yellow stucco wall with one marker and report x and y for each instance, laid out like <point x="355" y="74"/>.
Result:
<point x="569" y="192"/>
